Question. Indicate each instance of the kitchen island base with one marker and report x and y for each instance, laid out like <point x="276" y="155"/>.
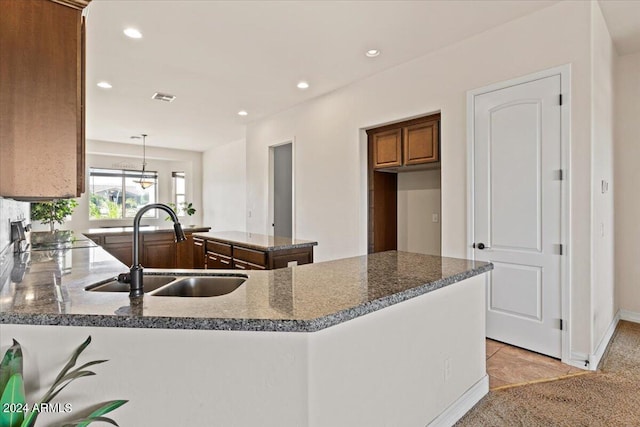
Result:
<point x="403" y="365"/>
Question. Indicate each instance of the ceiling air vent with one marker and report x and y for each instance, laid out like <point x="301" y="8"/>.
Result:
<point x="163" y="97"/>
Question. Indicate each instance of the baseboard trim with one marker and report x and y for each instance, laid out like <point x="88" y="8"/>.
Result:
<point x="462" y="405"/>
<point x="596" y="357"/>
<point x="630" y="316"/>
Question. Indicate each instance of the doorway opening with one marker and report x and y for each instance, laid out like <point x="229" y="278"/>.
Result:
<point x="281" y="190"/>
<point x="404" y="192"/>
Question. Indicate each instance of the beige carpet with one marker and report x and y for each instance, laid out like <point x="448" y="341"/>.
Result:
<point x="609" y="397"/>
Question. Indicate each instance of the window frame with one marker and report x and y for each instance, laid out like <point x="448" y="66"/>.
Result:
<point x="175" y="175"/>
<point x="124" y="174"/>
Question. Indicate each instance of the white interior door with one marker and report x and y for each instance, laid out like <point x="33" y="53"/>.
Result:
<point x="517" y="211"/>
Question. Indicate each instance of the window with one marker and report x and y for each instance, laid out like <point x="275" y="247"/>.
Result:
<point x="179" y="188"/>
<point x="114" y="194"/>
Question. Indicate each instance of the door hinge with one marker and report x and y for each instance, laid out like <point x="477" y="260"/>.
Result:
<point x="560" y="175"/>
<point x="560" y="99"/>
<point x="560" y="249"/>
<point x="561" y="325"/>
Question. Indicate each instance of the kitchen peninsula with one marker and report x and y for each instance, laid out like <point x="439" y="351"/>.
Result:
<point x="392" y="338"/>
<point x="249" y="251"/>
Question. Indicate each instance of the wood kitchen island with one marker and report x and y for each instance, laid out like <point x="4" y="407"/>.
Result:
<point x="249" y="251"/>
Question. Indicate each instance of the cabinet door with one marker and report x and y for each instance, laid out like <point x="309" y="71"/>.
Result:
<point x="215" y="260"/>
<point x="281" y="259"/>
<point x="120" y="246"/>
<point x="250" y="256"/>
<point x="198" y="253"/>
<point x="158" y="250"/>
<point x="421" y="143"/>
<point x="184" y="249"/>
<point x="387" y="149"/>
<point x="41" y="90"/>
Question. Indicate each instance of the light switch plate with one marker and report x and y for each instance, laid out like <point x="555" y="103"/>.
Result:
<point x="434" y="217"/>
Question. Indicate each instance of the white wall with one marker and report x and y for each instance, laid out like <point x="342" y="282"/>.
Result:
<point x="418" y="199"/>
<point x="602" y="238"/>
<point x="627" y="178"/>
<point x="330" y="158"/>
<point x="163" y="160"/>
<point x="224" y="185"/>
<point x="10" y="210"/>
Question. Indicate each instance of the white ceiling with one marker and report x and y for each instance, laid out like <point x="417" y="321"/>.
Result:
<point x="219" y="57"/>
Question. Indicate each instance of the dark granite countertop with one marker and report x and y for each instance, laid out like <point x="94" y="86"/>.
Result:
<point x="256" y="241"/>
<point x="47" y="288"/>
<point x="144" y="229"/>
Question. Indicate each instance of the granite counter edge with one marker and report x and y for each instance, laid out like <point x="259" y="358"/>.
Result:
<point x="257" y="325"/>
<point x="256" y="246"/>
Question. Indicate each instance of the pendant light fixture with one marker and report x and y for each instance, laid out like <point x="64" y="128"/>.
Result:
<point x="144" y="181"/>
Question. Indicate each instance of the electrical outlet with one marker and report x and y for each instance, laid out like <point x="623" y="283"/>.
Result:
<point x="434" y="217"/>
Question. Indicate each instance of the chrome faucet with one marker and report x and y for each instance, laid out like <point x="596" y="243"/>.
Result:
<point x="136" y="285"/>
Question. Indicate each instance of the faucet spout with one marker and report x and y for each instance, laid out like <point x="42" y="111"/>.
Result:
<point x="136" y="285"/>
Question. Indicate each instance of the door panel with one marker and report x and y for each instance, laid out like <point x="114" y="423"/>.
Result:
<point x="516" y="290"/>
<point x="514" y="184"/>
<point x="517" y="211"/>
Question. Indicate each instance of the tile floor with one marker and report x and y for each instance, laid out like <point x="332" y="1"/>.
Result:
<point x="508" y="366"/>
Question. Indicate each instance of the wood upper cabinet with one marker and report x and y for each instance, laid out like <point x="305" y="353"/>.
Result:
<point x="42" y="91"/>
<point x="421" y="143"/>
<point x="387" y="148"/>
<point x="409" y="143"/>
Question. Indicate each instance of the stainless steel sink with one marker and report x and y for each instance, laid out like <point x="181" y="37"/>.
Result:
<point x="200" y="286"/>
<point x="150" y="283"/>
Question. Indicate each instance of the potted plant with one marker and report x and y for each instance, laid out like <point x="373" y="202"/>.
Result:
<point x="53" y="212"/>
<point x="185" y="208"/>
<point x="17" y="412"/>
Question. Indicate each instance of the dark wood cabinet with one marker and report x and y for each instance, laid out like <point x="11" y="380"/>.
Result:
<point x="282" y="258"/>
<point x="120" y="246"/>
<point x="410" y="143"/>
<point x="198" y="253"/>
<point x="184" y="252"/>
<point x="159" y="250"/>
<point x="42" y="90"/>
<point x="221" y="254"/>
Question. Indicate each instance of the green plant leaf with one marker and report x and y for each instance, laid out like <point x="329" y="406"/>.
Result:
<point x="12" y="394"/>
<point x="98" y="413"/>
<point x="11" y="364"/>
<point x="72" y="362"/>
<point x="87" y="421"/>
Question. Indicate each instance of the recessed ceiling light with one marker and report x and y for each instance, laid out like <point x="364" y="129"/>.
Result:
<point x="132" y="33"/>
<point x="242" y="113"/>
<point x="303" y="85"/>
<point x="105" y="85"/>
<point x="372" y="53"/>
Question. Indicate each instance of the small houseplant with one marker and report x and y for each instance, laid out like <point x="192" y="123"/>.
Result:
<point x="14" y="409"/>
<point x="53" y="212"/>
<point x="185" y="207"/>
